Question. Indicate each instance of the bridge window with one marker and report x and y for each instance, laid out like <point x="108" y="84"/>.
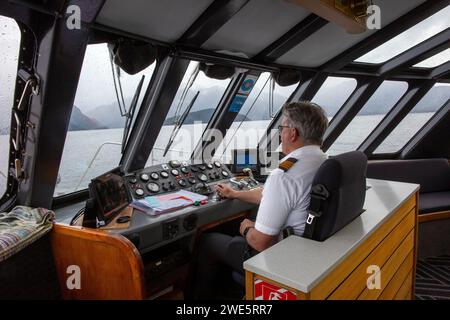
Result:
<point x="334" y="93"/>
<point x="416" y="119"/>
<point x="409" y="38"/>
<point x="435" y="60"/>
<point x="185" y="139"/>
<point x="255" y="116"/>
<point x="369" y="117"/>
<point x="9" y="53"/>
<point x="94" y="141"/>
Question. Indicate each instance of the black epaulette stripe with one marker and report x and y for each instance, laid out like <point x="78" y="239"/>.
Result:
<point x="287" y="164"/>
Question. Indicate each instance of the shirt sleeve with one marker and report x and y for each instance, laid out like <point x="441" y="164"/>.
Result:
<point x="275" y="206"/>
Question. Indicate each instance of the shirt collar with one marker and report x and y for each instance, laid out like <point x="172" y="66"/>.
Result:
<point x="298" y="153"/>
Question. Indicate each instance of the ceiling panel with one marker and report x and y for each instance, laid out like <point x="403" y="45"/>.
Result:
<point x="256" y="26"/>
<point x="163" y="20"/>
<point x="332" y="40"/>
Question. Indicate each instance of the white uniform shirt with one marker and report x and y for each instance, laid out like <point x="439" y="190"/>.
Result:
<point x="285" y="196"/>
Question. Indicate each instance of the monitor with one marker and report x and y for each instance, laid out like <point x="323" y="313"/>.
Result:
<point x="110" y="194"/>
<point x="245" y="158"/>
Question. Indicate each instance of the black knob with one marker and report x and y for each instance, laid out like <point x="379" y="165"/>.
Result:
<point x="171" y="185"/>
<point x="217" y="175"/>
<point x="192" y="180"/>
<point x="165" y="187"/>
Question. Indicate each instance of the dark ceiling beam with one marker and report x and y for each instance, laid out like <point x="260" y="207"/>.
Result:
<point x="418" y="53"/>
<point x="292" y="38"/>
<point x="214" y="17"/>
<point x="401" y="24"/>
<point x="441" y="71"/>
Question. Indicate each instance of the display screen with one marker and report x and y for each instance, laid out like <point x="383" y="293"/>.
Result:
<point x="245" y="158"/>
<point x="111" y="194"/>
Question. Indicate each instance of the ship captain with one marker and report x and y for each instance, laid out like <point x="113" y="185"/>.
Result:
<point x="283" y="201"/>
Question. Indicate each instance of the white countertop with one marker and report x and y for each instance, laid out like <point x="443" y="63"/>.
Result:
<point x="302" y="263"/>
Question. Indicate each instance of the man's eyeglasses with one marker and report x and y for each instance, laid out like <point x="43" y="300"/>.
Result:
<point x="280" y="128"/>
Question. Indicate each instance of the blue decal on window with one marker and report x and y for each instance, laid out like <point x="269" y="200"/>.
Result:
<point x="237" y="103"/>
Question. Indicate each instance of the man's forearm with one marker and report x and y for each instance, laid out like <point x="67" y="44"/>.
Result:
<point x="252" y="196"/>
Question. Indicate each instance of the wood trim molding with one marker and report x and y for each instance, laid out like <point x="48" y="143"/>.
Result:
<point x="434" y="216"/>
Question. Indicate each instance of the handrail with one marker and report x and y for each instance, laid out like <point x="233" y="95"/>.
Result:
<point x="93" y="159"/>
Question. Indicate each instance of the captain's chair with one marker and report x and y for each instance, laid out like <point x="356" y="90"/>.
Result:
<point x="337" y="195"/>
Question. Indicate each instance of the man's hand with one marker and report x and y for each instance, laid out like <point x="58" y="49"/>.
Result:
<point x="244" y="224"/>
<point x="225" y="191"/>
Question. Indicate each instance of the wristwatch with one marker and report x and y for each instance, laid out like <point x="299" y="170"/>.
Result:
<point x="246" y="230"/>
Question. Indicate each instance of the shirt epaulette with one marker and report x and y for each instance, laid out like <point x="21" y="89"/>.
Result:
<point x="287" y="164"/>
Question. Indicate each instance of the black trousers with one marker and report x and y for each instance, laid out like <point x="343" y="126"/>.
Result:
<point x="217" y="253"/>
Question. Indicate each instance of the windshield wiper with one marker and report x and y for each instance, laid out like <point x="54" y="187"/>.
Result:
<point x="130" y="114"/>
<point x="179" y="123"/>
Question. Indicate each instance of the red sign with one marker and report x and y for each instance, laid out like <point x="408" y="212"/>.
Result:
<point x="267" y="291"/>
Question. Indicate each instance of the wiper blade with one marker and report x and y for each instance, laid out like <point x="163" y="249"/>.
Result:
<point x="180" y="123"/>
<point x="130" y="114"/>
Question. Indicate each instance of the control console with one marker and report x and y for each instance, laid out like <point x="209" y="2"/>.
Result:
<point x="173" y="176"/>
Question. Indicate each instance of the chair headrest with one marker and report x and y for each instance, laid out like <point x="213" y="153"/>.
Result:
<point x="344" y="178"/>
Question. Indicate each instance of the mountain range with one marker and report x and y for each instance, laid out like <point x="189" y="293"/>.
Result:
<point x="108" y="116"/>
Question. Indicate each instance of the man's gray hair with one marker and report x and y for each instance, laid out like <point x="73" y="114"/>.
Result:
<point x="309" y="119"/>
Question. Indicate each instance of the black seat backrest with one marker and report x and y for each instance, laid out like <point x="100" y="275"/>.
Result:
<point x="343" y="179"/>
<point x="433" y="175"/>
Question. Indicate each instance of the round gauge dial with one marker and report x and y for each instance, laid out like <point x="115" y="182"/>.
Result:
<point x="175" y="172"/>
<point x="139" y="192"/>
<point x="182" y="183"/>
<point x="192" y="180"/>
<point x="154" y="176"/>
<point x="194" y="169"/>
<point x="153" y="187"/>
<point x="145" y="177"/>
<point x="185" y="170"/>
<point x="203" y="168"/>
<point x="209" y="165"/>
<point x="202" y="177"/>
<point x="164" y="174"/>
<point x="225" y="174"/>
<point x="217" y="164"/>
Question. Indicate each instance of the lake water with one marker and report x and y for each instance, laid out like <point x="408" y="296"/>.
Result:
<point x="80" y="163"/>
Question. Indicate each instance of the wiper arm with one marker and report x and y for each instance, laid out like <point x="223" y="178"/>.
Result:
<point x="130" y="114"/>
<point x="180" y="123"/>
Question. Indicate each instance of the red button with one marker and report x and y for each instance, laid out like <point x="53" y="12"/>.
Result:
<point x="203" y="202"/>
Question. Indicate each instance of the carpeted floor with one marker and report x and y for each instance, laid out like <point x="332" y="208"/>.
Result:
<point x="433" y="278"/>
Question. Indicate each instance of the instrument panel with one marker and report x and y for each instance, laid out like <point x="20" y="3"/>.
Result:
<point x="173" y="176"/>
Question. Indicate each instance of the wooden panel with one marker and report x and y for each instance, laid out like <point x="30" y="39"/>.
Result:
<point x="398" y="279"/>
<point x="329" y="283"/>
<point x="404" y="293"/>
<point x="434" y="216"/>
<point x="110" y="265"/>
<point x="249" y="285"/>
<point x="391" y="266"/>
<point x="356" y="282"/>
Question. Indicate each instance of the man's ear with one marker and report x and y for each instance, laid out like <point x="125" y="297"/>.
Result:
<point x="293" y="136"/>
